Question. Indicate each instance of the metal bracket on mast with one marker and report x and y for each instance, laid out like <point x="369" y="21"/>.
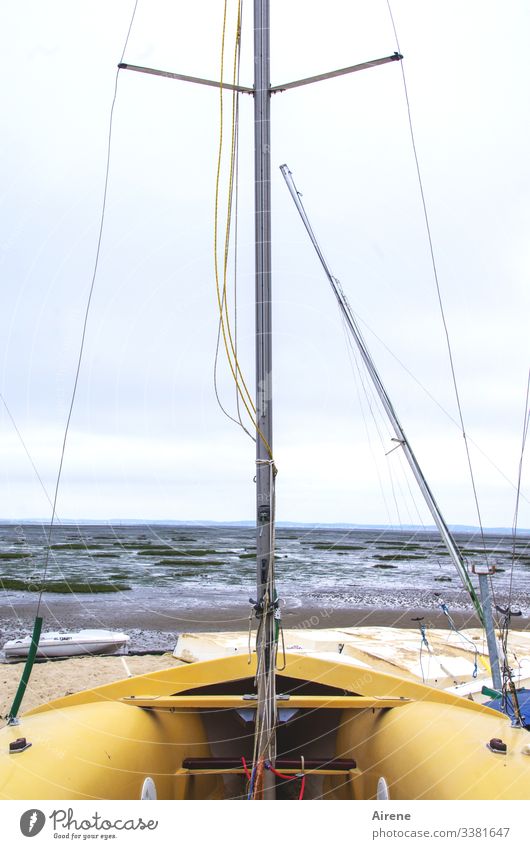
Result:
<point x="124" y="66"/>
<point x="276" y="89"/>
<point x="351" y="69"/>
<point x="400" y="442"/>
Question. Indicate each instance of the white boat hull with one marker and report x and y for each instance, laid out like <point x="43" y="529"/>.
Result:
<point x="52" y="645"/>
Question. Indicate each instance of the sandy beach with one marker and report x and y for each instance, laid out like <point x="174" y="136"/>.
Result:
<point x="53" y="679"/>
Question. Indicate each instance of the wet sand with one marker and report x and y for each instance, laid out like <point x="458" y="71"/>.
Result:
<point x="71" y="614"/>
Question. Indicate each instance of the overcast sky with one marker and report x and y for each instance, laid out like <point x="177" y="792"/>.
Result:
<point x="147" y="439"/>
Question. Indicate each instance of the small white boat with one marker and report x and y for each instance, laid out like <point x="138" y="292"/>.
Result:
<point x="56" y="644"/>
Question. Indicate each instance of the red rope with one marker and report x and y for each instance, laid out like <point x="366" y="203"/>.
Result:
<point x="302" y="788"/>
<point x="245" y="767"/>
<point x="281" y="774"/>
<point x="285" y="777"/>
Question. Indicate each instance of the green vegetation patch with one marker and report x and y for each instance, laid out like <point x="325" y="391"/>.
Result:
<point x="160" y="550"/>
<point x="14" y="555"/>
<point x="63" y="586"/>
<point x="402" y="556"/>
<point x="198" y="552"/>
<point x="170" y="561"/>
<point x="470" y="551"/>
<point x="323" y="542"/>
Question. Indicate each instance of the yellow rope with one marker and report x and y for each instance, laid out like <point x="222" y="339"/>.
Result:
<point x="222" y="300"/>
<point x="221" y="296"/>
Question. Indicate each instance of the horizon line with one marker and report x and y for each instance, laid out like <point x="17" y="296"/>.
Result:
<point x="251" y="523"/>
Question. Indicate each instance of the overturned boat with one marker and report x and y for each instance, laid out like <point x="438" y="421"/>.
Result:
<point x="54" y="644"/>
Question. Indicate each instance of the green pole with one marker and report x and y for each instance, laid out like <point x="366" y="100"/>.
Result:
<point x="17" y="701"/>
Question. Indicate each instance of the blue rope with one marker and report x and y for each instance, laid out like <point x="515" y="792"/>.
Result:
<point x="453" y="627"/>
<point x="251" y="785"/>
<point x="423" y="642"/>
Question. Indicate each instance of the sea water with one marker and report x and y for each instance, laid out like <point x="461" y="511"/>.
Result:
<point x="126" y="575"/>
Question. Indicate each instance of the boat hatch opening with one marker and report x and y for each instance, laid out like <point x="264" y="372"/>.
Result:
<point x="287" y="686"/>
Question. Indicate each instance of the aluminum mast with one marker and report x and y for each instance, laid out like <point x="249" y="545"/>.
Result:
<point x="265" y="471"/>
<point x="387" y="404"/>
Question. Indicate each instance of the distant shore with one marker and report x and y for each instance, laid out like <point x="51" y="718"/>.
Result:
<point x="250" y="523"/>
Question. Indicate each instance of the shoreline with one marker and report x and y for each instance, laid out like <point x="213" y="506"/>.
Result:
<point x="156" y="629"/>
<point x="73" y="614"/>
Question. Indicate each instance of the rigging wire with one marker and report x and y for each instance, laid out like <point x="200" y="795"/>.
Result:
<point x="28" y="455"/>
<point x="370" y="401"/>
<point x="269" y="642"/>
<point x="225" y="324"/>
<point x="37" y="627"/>
<point x="438" y="287"/>
<point x="453" y="549"/>
<point x="236" y="220"/>
<point x="435" y="401"/>
<point x="355" y="371"/>
<point x="526" y="421"/>
<point x="86" y="315"/>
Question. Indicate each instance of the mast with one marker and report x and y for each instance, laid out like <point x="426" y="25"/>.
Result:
<point x="400" y="437"/>
<point x="265" y="471"/>
<point x="266" y="606"/>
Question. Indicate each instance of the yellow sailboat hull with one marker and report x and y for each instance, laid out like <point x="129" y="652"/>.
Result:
<point x="368" y="730"/>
